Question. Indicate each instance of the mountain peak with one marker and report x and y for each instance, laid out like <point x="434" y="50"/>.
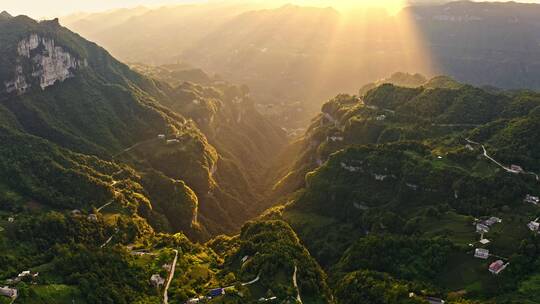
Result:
<point x="5" y="15"/>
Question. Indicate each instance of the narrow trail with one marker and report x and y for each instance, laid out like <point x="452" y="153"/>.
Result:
<point x="295" y="283"/>
<point x="169" y="280"/>
<point x="133" y="147"/>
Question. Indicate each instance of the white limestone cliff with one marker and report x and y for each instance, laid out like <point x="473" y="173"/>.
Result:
<point x="50" y="63"/>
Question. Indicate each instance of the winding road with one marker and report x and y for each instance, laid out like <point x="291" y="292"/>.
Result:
<point x="171" y="276"/>
<point x="107" y="204"/>
<point x="486" y="155"/>
<point x="252" y="281"/>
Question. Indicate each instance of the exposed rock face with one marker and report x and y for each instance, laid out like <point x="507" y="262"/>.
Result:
<point x="18" y="84"/>
<point x="50" y="63"/>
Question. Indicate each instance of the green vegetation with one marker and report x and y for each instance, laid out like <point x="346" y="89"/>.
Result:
<point x="388" y="183"/>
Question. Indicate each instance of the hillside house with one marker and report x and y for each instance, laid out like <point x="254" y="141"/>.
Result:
<point x="481" y="253"/>
<point x="482" y="228"/>
<point x="8" y="292"/>
<point x="360" y="206"/>
<point x="350" y="168"/>
<point x="534" y="226"/>
<point x="92" y="217"/>
<point x="381" y="117"/>
<point x="517" y="169"/>
<point x="167" y="267"/>
<point x="380" y="177"/>
<point x="216" y="292"/>
<point x="161" y="136"/>
<point x="76" y="212"/>
<point x="194" y="300"/>
<point x="492" y="220"/>
<point x="532" y="199"/>
<point x="433" y="300"/>
<point x="497" y="267"/>
<point x="335" y="138"/>
<point x="412" y="186"/>
<point x="157" y="280"/>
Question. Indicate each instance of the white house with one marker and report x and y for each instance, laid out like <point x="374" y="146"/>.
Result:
<point x="8" y="292"/>
<point x="412" y="186"/>
<point x="380" y="177"/>
<point x="532" y="199"/>
<point x="381" y="117"/>
<point x="481" y="253"/>
<point x="335" y="138"/>
<point x="534" y="226"/>
<point x="492" y="220"/>
<point x="350" y="168"/>
<point x="481" y="228"/>
<point x="161" y="136"/>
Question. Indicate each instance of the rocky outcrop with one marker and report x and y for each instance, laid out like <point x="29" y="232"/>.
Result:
<point x="50" y="63"/>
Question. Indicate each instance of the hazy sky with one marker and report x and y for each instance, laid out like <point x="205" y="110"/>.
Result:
<point x="53" y="8"/>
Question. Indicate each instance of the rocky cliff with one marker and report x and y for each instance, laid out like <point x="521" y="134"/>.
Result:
<point x="39" y="60"/>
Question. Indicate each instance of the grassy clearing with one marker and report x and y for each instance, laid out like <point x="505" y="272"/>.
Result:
<point x="53" y="294"/>
<point x="458" y="228"/>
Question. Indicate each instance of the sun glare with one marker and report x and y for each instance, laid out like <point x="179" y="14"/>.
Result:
<point x="375" y="37"/>
<point x="392" y="6"/>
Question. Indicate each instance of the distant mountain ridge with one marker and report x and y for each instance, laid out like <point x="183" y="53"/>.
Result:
<point x="494" y="44"/>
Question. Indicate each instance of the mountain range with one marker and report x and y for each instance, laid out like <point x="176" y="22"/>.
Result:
<point x="483" y="43"/>
<point x="164" y="183"/>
